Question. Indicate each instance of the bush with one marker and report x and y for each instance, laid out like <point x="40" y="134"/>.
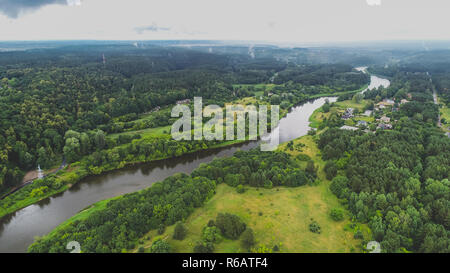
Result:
<point x="230" y="225"/>
<point x="248" y="238"/>
<point x="240" y="189"/>
<point x="338" y="184"/>
<point x="330" y="169"/>
<point x="211" y="235"/>
<point x="203" y="247"/>
<point x="141" y="250"/>
<point x="337" y="214"/>
<point x="303" y="157"/>
<point x="314" y="227"/>
<point x="211" y="223"/>
<point x="179" y="232"/>
<point x="161" y="229"/>
<point x="358" y="235"/>
<point x="160" y="246"/>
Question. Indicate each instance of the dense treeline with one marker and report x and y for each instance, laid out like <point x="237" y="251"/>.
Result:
<point x="44" y="93"/>
<point x="397" y="181"/>
<point x="340" y="77"/>
<point x="117" y="227"/>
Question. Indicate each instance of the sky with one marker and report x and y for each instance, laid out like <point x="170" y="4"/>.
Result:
<point x="250" y="20"/>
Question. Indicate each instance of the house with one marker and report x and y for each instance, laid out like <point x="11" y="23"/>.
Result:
<point x="389" y="102"/>
<point x="404" y="101"/>
<point x="186" y="101"/>
<point x="384" y="126"/>
<point x="384" y="119"/>
<point x="448" y="134"/>
<point x="367" y="113"/>
<point x="362" y="123"/>
<point x="346" y="127"/>
<point x="348" y="113"/>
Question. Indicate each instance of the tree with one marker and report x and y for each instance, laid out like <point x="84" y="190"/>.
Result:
<point x="180" y="231"/>
<point x="160" y="246"/>
<point x="337" y="214"/>
<point x="211" y="234"/>
<point x="72" y="149"/>
<point x="338" y="184"/>
<point x="248" y="238"/>
<point x="330" y="169"/>
<point x="230" y="225"/>
<point x="310" y="167"/>
<point x="203" y="247"/>
<point x="99" y="139"/>
<point x="314" y="227"/>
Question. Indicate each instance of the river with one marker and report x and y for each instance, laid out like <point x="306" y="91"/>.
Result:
<point x="17" y="230"/>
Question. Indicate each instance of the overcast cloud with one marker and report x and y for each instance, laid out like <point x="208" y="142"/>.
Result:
<point x="281" y="20"/>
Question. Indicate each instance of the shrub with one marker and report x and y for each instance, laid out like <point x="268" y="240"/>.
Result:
<point x="248" y="238"/>
<point x="211" y="223"/>
<point x="337" y="214"/>
<point x="338" y="184"/>
<point x="303" y="157"/>
<point x="330" y="169"/>
<point x="211" y="235"/>
<point x="230" y="225"/>
<point x="203" y="247"/>
<point x="161" y="229"/>
<point x="160" y="246"/>
<point x="179" y="232"/>
<point x="240" y="189"/>
<point x="314" y="227"/>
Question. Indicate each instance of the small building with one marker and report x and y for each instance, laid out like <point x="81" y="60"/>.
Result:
<point x="384" y="126"/>
<point x="186" y="101"/>
<point x="384" y="119"/>
<point x="367" y="113"/>
<point x="348" y="113"/>
<point x="448" y="134"/>
<point x="346" y="127"/>
<point x="362" y="123"/>
<point x="404" y="101"/>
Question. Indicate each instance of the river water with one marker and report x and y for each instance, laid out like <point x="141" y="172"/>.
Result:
<point x="17" y="231"/>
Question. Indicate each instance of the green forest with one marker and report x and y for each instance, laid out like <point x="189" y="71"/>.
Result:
<point x="83" y="110"/>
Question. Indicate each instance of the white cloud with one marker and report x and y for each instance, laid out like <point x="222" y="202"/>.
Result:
<point x="283" y="20"/>
<point x="74" y="2"/>
<point x="373" y="2"/>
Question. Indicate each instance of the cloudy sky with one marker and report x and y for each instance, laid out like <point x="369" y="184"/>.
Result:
<point x="275" y="20"/>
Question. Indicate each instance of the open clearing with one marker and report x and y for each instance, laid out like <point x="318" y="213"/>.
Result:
<point x="278" y="216"/>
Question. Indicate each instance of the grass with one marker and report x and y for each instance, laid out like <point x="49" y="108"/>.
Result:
<point x="352" y="104"/>
<point x="278" y="216"/>
<point x="339" y="93"/>
<point x="445" y="114"/>
<point x="149" y="132"/>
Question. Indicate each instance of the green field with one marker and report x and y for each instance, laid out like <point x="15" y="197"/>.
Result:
<point x="149" y="132"/>
<point x="278" y="216"/>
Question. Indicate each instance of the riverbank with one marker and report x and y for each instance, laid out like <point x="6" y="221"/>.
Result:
<point x="67" y="175"/>
<point x="279" y="216"/>
<point x="70" y="177"/>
